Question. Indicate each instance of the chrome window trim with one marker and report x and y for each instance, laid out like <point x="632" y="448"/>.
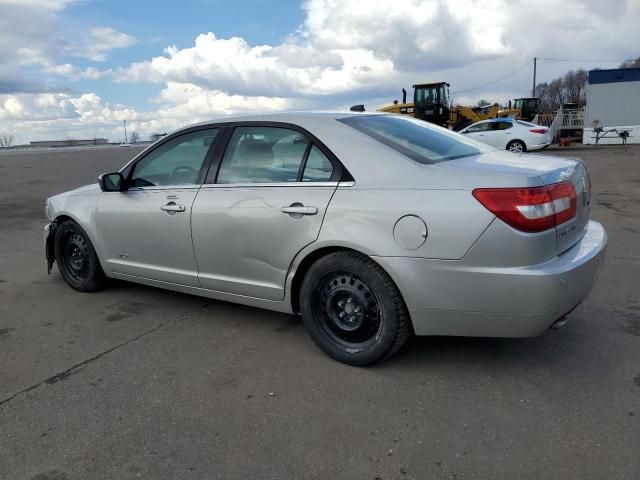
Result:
<point x="163" y="187"/>
<point x="270" y="184"/>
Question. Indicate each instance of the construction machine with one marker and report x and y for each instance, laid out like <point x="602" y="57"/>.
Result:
<point x="430" y="103"/>
<point x="523" y="109"/>
<point x="462" y="116"/>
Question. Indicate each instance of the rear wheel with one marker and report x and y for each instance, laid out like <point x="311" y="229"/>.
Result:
<point x="352" y="309"/>
<point x="77" y="259"/>
<point x="516" y="146"/>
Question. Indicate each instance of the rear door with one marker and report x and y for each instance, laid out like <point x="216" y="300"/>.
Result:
<point x="264" y="204"/>
<point x="500" y="134"/>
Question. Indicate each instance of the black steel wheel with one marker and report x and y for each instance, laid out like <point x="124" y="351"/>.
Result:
<point x="77" y="259"/>
<point x="347" y="310"/>
<point x="352" y="309"/>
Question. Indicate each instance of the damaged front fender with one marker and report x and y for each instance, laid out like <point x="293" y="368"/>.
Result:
<point x="49" y="243"/>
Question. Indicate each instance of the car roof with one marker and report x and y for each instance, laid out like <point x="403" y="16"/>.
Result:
<point x="505" y="119"/>
<point x="300" y="118"/>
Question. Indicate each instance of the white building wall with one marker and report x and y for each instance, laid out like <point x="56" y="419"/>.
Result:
<point x="612" y="105"/>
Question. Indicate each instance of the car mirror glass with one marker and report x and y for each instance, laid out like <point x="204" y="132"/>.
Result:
<point x="111" y="182"/>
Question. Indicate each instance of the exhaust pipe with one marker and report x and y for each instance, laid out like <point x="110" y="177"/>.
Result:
<point x="404" y="96"/>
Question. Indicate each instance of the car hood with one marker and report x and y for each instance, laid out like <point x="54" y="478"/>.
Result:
<point x="91" y="189"/>
<point x="62" y="201"/>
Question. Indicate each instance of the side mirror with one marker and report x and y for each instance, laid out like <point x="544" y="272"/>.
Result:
<point x="111" y="182"/>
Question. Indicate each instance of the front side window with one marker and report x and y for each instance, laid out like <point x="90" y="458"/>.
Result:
<point x="480" y="127"/>
<point x="263" y="155"/>
<point x="416" y="139"/>
<point x="175" y="163"/>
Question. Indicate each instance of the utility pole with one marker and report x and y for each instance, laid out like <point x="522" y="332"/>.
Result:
<point x="125" y="124"/>
<point x="533" y="90"/>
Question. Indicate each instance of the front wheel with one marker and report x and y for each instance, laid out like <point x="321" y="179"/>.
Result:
<point x="77" y="259"/>
<point x="516" y="146"/>
<point x="352" y="309"/>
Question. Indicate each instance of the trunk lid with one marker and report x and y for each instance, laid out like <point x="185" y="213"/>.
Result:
<point x="570" y="232"/>
<point x="503" y="170"/>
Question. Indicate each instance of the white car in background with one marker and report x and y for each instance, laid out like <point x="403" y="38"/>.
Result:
<point x="517" y="136"/>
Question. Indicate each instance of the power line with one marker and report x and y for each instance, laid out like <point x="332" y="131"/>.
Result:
<point x="579" y="61"/>
<point x="495" y="81"/>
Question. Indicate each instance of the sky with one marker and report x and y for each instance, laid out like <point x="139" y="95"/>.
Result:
<point x="78" y="68"/>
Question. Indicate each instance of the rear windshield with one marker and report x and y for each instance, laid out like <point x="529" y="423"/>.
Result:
<point x="527" y="124"/>
<point x="416" y="139"/>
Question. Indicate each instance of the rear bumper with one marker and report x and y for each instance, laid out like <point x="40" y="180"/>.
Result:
<point x="539" y="146"/>
<point x="449" y="298"/>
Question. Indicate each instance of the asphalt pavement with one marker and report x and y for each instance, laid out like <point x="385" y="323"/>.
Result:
<point x="136" y="382"/>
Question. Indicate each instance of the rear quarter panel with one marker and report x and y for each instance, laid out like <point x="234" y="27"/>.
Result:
<point x="364" y="219"/>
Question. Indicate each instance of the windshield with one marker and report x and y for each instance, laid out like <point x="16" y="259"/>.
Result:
<point x="426" y="96"/>
<point x="437" y="94"/>
<point x="416" y="139"/>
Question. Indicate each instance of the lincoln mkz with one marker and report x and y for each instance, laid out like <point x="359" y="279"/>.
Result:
<point x="372" y="227"/>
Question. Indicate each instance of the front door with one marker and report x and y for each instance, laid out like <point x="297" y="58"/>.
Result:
<point x="146" y="230"/>
<point x="266" y="204"/>
<point x="479" y="131"/>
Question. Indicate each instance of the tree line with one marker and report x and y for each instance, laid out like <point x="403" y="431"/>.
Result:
<point x="569" y="88"/>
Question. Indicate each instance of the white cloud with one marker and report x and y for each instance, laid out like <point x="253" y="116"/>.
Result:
<point x="31" y="37"/>
<point x="52" y="115"/>
<point x="101" y="40"/>
<point x="345" y="52"/>
<point x="71" y="72"/>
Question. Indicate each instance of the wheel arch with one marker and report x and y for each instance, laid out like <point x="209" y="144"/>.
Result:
<point x="517" y="140"/>
<point x="305" y="262"/>
<point x="64" y="216"/>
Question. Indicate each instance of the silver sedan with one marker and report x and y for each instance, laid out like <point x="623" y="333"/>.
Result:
<point x="371" y="226"/>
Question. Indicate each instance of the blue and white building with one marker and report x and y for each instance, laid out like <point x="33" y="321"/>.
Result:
<point x="613" y="103"/>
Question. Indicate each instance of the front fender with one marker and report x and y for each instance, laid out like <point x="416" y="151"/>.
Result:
<point x="49" y="243"/>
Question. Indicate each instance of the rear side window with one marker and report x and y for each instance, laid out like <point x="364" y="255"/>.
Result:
<point x="263" y="155"/>
<point x="318" y="167"/>
<point x="416" y="139"/>
<point x="502" y="125"/>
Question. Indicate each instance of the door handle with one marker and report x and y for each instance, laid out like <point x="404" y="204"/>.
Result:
<point x="171" y="208"/>
<point x="299" y="209"/>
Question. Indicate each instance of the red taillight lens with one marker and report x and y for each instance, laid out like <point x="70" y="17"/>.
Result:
<point x="564" y="201"/>
<point x="532" y="209"/>
<point x="538" y="130"/>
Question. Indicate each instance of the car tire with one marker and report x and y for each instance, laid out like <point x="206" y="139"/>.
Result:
<point x="76" y="258"/>
<point x="516" y="146"/>
<point x="352" y="309"/>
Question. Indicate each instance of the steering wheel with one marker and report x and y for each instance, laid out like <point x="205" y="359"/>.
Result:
<point x="187" y="173"/>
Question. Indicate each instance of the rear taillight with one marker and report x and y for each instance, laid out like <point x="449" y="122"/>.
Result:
<point x="538" y="130"/>
<point x="530" y="209"/>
